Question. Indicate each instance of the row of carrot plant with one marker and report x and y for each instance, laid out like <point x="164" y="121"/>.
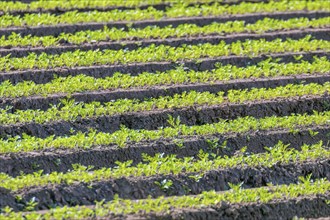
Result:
<point x="177" y="131"/>
<point x="82" y="83"/>
<point x="155" y="53"/>
<point x="75" y="17"/>
<point x="70" y="110"/>
<point x="168" y="165"/>
<point x="149" y="32"/>
<point x="305" y="187"/>
<point x="10" y="6"/>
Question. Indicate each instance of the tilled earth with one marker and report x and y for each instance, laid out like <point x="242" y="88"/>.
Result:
<point x="61" y="159"/>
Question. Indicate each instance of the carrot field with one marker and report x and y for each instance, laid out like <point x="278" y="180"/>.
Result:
<point x="163" y="109"/>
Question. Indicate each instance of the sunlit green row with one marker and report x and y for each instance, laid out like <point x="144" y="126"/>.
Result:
<point x="178" y="131"/>
<point x="236" y="195"/>
<point x="183" y="30"/>
<point x="81" y="83"/>
<point x="10" y="6"/>
<point x="160" y="165"/>
<point x="75" y="17"/>
<point x="71" y="110"/>
<point x="161" y="53"/>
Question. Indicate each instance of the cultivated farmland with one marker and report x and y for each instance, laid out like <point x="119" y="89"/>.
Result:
<point x="161" y="109"/>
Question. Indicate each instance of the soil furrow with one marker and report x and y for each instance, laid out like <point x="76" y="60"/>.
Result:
<point x="61" y="160"/>
<point x="196" y="115"/>
<point x="46" y="75"/>
<point x="239" y="139"/>
<point x="69" y="28"/>
<point x="43" y="103"/>
<point x="303" y="207"/>
<point x="316" y="33"/>
<point x="142" y="187"/>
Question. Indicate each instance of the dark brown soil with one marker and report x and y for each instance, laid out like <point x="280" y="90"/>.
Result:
<point x="228" y="144"/>
<point x="6" y="199"/>
<point x="61" y="160"/>
<point x="321" y="33"/>
<point x="307" y="207"/>
<point x="44" y="76"/>
<point x="248" y="18"/>
<point x="43" y="103"/>
<point x="196" y="115"/>
<point x="142" y="187"/>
